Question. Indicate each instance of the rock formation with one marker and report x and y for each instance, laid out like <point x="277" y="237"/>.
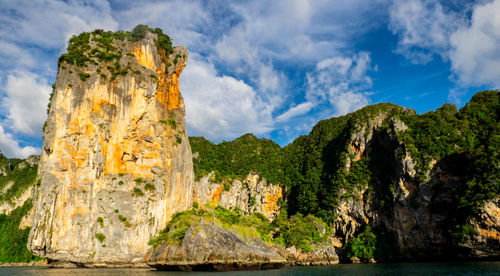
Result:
<point x="211" y="247"/>
<point x="116" y="161"/>
<point x="416" y="223"/>
<point x="251" y="195"/>
<point x="208" y="246"/>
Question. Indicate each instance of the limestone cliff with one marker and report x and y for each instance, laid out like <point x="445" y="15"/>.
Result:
<point x="250" y="195"/>
<point x="116" y="161"/>
<point x="416" y="211"/>
<point x="393" y="184"/>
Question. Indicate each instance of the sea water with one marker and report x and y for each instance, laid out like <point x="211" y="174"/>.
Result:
<point x="464" y="268"/>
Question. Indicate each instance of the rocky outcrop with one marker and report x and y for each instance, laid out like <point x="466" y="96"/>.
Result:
<point x="116" y="161"/>
<point x="251" y="195"/>
<point x="486" y="241"/>
<point x="321" y="255"/>
<point x="209" y="246"/>
<point x="408" y="211"/>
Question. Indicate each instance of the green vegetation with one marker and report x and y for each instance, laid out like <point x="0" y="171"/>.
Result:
<point x="178" y="139"/>
<point x="124" y="220"/>
<point x="100" y="220"/>
<point x="84" y="76"/>
<point x="19" y="175"/>
<point x="149" y="187"/>
<point x="77" y="47"/>
<point x="363" y="245"/>
<point x="12" y="239"/>
<point x="106" y="52"/>
<point x="236" y="159"/>
<point x="464" y="143"/>
<point x="370" y="244"/>
<point x="138" y="192"/>
<point x="302" y="232"/>
<point x="139" y="32"/>
<point x="170" y="121"/>
<point x="299" y="231"/>
<point x="176" y="59"/>
<point x="100" y="237"/>
<point x="163" y="41"/>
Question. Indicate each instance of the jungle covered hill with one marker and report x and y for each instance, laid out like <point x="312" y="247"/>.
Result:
<point x="378" y="165"/>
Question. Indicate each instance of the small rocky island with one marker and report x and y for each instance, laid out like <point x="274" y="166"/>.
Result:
<point x="120" y="184"/>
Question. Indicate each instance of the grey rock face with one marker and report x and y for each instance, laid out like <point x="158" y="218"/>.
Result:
<point x="212" y="247"/>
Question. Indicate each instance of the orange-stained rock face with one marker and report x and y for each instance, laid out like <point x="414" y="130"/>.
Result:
<point x="111" y="162"/>
<point x="252" y="195"/>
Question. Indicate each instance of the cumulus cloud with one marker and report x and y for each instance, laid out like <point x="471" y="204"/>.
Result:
<point x="342" y="81"/>
<point x="32" y="35"/>
<point x="222" y="107"/>
<point x="475" y="55"/>
<point x="240" y="79"/>
<point x="295" y="111"/>
<point x="424" y="27"/>
<point x="187" y="22"/>
<point x="25" y="103"/>
<point x="10" y="147"/>
<point x="49" y="24"/>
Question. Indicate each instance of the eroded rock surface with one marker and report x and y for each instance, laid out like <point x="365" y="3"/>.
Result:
<point x="408" y="207"/>
<point x="209" y="246"/>
<point x="251" y="195"/>
<point x="116" y="161"/>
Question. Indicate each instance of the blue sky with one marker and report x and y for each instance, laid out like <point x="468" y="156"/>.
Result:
<point x="272" y="68"/>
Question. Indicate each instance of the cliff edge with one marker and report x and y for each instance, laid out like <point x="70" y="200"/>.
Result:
<point x="116" y="160"/>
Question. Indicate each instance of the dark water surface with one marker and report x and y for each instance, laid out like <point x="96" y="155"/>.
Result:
<point x="465" y="268"/>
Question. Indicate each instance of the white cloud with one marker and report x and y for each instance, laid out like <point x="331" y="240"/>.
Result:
<point x="10" y="147"/>
<point x="424" y="27"/>
<point x="475" y="54"/>
<point x="222" y="107"/>
<point x="13" y="54"/>
<point x="32" y="34"/>
<point x="243" y="54"/>
<point x="49" y="24"/>
<point x="341" y="81"/>
<point x="25" y="103"/>
<point x="295" y="111"/>
<point x="183" y="21"/>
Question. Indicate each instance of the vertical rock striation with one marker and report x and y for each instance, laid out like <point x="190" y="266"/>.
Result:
<point x="251" y="195"/>
<point x="116" y="160"/>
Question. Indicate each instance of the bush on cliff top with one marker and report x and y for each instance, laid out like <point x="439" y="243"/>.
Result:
<point x="80" y="52"/>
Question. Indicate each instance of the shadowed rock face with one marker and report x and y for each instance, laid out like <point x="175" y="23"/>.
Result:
<point x="418" y="226"/>
<point x="116" y="161"/>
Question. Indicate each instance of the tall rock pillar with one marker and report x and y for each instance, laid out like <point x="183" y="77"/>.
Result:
<point x="116" y="160"/>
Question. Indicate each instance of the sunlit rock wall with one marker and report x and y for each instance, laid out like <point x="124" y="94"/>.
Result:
<point x="116" y="160"/>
